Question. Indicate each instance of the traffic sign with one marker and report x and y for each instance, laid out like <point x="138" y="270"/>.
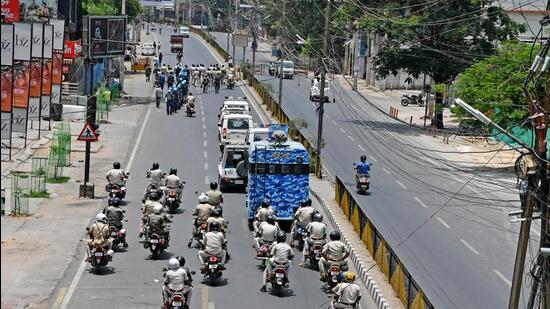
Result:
<point x="88" y="134"/>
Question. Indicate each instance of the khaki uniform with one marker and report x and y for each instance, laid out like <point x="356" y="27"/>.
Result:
<point x="99" y="232"/>
<point x="302" y="217"/>
<point x="317" y="232"/>
<point x="221" y="220"/>
<point x="213" y="243"/>
<point x="266" y="234"/>
<point x="281" y="254"/>
<point x="117" y="177"/>
<point x="202" y="213"/>
<point x="261" y="216"/>
<point x="173" y="182"/>
<point x="348" y="294"/>
<point x="335" y="251"/>
<point x="156" y="176"/>
<point x="114" y="215"/>
<point x="174" y="280"/>
<point x="215" y="197"/>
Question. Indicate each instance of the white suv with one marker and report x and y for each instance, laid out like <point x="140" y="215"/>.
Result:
<point x="233" y="129"/>
<point x="232" y="169"/>
<point x="315" y="91"/>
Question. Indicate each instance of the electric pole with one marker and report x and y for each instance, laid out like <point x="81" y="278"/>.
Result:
<point x="228" y="24"/>
<point x="254" y="42"/>
<point x="321" y="110"/>
<point x="281" y="72"/>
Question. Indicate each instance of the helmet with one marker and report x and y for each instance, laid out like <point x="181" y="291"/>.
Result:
<point x="217" y="212"/>
<point x="281" y="236"/>
<point x="318" y="217"/>
<point x="266" y="203"/>
<point x="215" y="226"/>
<point x="116" y="165"/>
<point x="213" y="185"/>
<point x="203" y="198"/>
<point x="173" y="264"/>
<point x="349" y="276"/>
<point x="100" y="217"/>
<point x="270" y="219"/>
<point x="114" y="201"/>
<point x="156" y="166"/>
<point x="181" y="260"/>
<point x="306" y="203"/>
<point x="190" y="93"/>
<point x="154" y="196"/>
<point x="335" y="235"/>
<point x="363" y="158"/>
<point x="173" y="171"/>
<point x="157" y="209"/>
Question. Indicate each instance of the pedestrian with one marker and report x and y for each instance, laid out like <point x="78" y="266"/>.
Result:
<point x="148" y="73"/>
<point x="523" y="190"/>
<point x="155" y="45"/>
<point x="158" y="94"/>
<point x="158" y="45"/>
<point x="205" y="85"/>
<point x="162" y="79"/>
<point x="160" y="58"/>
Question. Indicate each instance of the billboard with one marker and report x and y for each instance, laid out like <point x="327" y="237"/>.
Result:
<point x="22" y="42"/>
<point x="163" y="3"/>
<point x="58" y="33"/>
<point x="41" y="11"/>
<point x="10" y="11"/>
<point x="104" y="36"/>
<point x="7" y="90"/>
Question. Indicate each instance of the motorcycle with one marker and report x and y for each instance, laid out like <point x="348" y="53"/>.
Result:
<point x="230" y="81"/>
<point x="155" y="188"/>
<point x="278" y="278"/>
<point x="118" y="236"/>
<point x="99" y="257"/>
<point x="363" y="183"/>
<point x="156" y="244"/>
<point x="172" y="201"/>
<point x="176" y="301"/>
<point x="315" y="254"/>
<point x="190" y="110"/>
<point x="334" y="276"/>
<point x="213" y="269"/>
<point x="299" y="236"/>
<point x="217" y="86"/>
<point x="412" y="99"/>
<point x="116" y="191"/>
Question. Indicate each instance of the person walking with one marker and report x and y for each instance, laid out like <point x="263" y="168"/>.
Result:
<point x="160" y="58"/>
<point x="148" y="73"/>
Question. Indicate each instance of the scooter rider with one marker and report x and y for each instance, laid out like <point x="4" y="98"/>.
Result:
<point x="316" y="231"/>
<point x="202" y="213"/>
<point x="99" y="235"/>
<point x="173" y="182"/>
<point x="302" y="217"/>
<point x="334" y="252"/>
<point x="174" y="280"/>
<point x="262" y="213"/>
<point x="215" y="196"/>
<point x="281" y="254"/>
<point x="266" y="233"/>
<point x="213" y="243"/>
<point x="115" y="216"/>
<point x="156" y="176"/>
<point x="116" y="176"/>
<point x="346" y="294"/>
<point x="363" y="168"/>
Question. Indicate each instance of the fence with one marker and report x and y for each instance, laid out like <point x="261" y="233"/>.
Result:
<point x="408" y="291"/>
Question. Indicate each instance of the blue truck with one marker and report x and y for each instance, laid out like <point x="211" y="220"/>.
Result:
<point x="280" y="173"/>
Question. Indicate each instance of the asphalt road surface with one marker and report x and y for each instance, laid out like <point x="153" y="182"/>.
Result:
<point x="133" y="279"/>
<point x="448" y="224"/>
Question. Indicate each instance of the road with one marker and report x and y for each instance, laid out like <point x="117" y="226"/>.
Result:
<point x="448" y="223"/>
<point x="133" y="280"/>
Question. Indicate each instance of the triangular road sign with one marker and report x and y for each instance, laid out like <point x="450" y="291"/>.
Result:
<point x="87" y="134"/>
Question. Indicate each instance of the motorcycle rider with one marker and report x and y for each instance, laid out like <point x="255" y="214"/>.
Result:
<point x="281" y="254"/>
<point x="316" y="231"/>
<point x="174" y="280"/>
<point x="202" y="213"/>
<point x="266" y="233"/>
<point x="302" y="217"/>
<point x="346" y="294"/>
<point x="195" y="75"/>
<point x="216" y="216"/>
<point x="173" y="182"/>
<point x="363" y="168"/>
<point x="99" y="235"/>
<point x="215" y="196"/>
<point x="217" y="82"/>
<point x="213" y="243"/>
<point x="205" y="83"/>
<point x="116" y="176"/>
<point x="334" y="252"/>
<point x="262" y="213"/>
<point x="157" y="223"/>
<point x="179" y="56"/>
<point x="156" y="176"/>
<point x="158" y="94"/>
<point x="170" y="80"/>
<point x="115" y="216"/>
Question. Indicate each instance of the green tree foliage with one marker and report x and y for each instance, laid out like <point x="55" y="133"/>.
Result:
<point x="102" y="7"/>
<point x="493" y="85"/>
<point x="439" y="38"/>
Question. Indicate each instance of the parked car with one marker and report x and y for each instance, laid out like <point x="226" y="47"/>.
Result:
<point x="147" y="49"/>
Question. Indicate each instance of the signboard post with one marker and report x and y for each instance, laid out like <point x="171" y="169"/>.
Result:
<point x="88" y="135"/>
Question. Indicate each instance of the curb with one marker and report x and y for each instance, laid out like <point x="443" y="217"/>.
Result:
<point x="369" y="282"/>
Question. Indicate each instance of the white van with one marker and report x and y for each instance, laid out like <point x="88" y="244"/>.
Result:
<point x="233" y="129"/>
<point x="288" y="69"/>
<point x="184" y="30"/>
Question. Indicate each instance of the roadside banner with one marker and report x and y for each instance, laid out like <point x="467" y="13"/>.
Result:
<point x="7" y="89"/>
<point x="47" y="71"/>
<point x="10" y="11"/>
<point x="22" y="41"/>
<point x="7" y="45"/>
<point x="157" y="3"/>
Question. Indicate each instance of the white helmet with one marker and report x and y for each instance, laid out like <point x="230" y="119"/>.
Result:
<point x="100" y="217"/>
<point x="173" y="264"/>
<point x="203" y="198"/>
<point x="157" y="209"/>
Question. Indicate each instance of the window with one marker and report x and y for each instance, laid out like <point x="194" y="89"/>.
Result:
<point x="237" y="124"/>
<point x="233" y="158"/>
<point x="260" y="136"/>
<point x="288" y="64"/>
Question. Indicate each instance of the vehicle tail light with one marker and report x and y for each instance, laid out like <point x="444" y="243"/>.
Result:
<point x="177" y="297"/>
<point x="334" y="268"/>
<point x="279" y="270"/>
<point x="213" y="259"/>
<point x="112" y="228"/>
<point x="224" y="132"/>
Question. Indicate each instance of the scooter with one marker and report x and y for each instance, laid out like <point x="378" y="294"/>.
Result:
<point x="363" y="183"/>
<point x="412" y="99"/>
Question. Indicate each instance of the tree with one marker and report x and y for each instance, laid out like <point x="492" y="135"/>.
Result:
<point x="439" y="38"/>
<point x="101" y="7"/>
<point x="493" y="85"/>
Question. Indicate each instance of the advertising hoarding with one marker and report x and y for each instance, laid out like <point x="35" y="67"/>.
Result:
<point x="104" y="36"/>
<point x="10" y="10"/>
<point x="37" y="39"/>
<point x="58" y="33"/>
<point x="157" y="3"/>
<point x="22" y="41"/>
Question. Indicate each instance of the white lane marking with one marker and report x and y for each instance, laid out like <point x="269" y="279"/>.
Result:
<point x="362" y="148"/>
<point x="204" y="126"/>
<point x="203" y="119"/>
<point x="401" y="184"/>
<point x="205" y="155"/>
<point x="204" y="144"/>
<point x="204" y="134"/>
<point x="432" y="161"/>
<point x="351" y="138"/>
<point x="501" y="276"/>
<point x="343" y="131"/>
<point x="205" y="166"/>
<point x="206" y="180"/>
<point x="80" y="269"/>
<point x="443" y="222"/>
<point x="385" y="170"/>
<point x="373" y="158"/>
<point x="416" y="198"/>
<point x="202" y="113"/>
<point x="204" y="299"/>
<point x="467" y="244"/>
<point x="333" y="122"/>
<point x="211" y="305"/>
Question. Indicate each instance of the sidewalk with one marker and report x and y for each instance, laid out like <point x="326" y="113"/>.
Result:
<point x="37" y="250"/>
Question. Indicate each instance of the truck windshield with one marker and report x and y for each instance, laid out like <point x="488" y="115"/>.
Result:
<point x="233" y="158"/>
<point x="288" y="64"/>
<point x="237" y="124"/>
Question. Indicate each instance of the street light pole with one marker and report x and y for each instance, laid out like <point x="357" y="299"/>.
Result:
<point x="321" y="110"/>
<point x="281" y="72"/>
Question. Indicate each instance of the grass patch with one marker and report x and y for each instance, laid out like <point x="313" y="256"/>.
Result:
<point x="61" y="179"/>
<point x="39" y="194"/>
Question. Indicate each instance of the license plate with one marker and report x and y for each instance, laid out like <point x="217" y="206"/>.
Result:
<point x="334" y="273"/>
<point x="279" y="275"/>
<point x="176" y="303"/>
<point x="154" y="241"/>
<point x="113" y="234"/>
<point x="316" y="251"/>
<point x="213" y="266"/>
<point x="239" y="182"/>
<point x="98" y="254"/>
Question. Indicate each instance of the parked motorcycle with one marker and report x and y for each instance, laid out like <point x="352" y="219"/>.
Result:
<point x="99" y="258"/>
<point x="171" y="201"/>
<point x="412" y="99"/>
<point x="278" y="279"/>
<point x="116" y="191"/>
<point x="213" y="270"/>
